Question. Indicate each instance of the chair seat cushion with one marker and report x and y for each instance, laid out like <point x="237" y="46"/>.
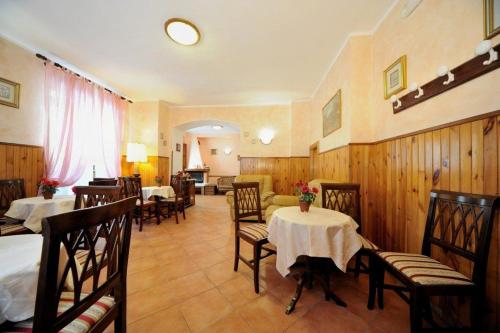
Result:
<point x="145" y="203"/>
<point x="13" y="229"/>
<point x="81" y="257"/>
<point x="256" y="231"/>
<point x="81" y="324"/>
<point x="367" y="244"/>
<point x="424" y="270"/>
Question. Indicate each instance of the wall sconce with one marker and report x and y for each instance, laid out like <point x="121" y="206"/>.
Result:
<point x="227" y="150"/>
<point x="396" y="100"/>
<point x="486" y="46"/>
<point x="266" y="135"/>
<point x="442" y="71"/>
<point x="414" y="87"/>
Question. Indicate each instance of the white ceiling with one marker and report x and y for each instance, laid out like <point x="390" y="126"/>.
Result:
<point x="208" y="131"/>
<point x="251" y="51"/>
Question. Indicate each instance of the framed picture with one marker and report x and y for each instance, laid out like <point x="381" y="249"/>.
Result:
<point x="491" y="9"/>
<point x="178" y="147"/>
<point x="332" y="114"/>
<point x="9" y="93"/>
<point x="395" y="77"/>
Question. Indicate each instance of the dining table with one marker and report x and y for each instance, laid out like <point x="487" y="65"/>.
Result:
<point x="32" y="210"/>
<point x="313" y="243"/>
<point x="164" y="191"/>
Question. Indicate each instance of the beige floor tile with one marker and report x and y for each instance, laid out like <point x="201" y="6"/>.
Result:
<point x="239" y="291"/>
<point x="231" y="323"/>
<point x="169" y="320"/>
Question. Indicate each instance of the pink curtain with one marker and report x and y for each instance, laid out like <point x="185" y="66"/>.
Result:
<point x="83" y="125"/>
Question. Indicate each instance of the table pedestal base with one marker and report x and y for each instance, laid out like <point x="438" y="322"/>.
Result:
<point x="308" y="269"/>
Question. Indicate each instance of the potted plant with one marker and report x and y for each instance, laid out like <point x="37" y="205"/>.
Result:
<point x="159" y="180"/>
<point x="48" y="187"/>
<point x="306" y="195"/>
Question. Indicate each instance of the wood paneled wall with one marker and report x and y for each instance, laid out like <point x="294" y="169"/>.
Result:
<point x="284" y="170"/>
<point x="22" y="161"/>
<point x="155" y="166"/>
<point x="333" y="164"/>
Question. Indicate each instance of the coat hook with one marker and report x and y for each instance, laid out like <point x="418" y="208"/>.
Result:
<point x="442" y="71"/>
<point x="486" y="46"/>
<point x="414" y="87"/>
<point x="396" y="100"/>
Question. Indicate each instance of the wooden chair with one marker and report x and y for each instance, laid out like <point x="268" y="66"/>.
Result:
<point x="176" y="203"/>
<point x="10" y="190"/>
<point x="133" y="188"/>
<point x="108" y="182"/>
<point x="457" y="223"/>
<point x="105" y="299"/>
<point x="345" y="198"/>
<point x="247" y="204"/>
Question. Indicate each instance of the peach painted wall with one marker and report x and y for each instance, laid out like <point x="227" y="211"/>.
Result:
<point x="23" y="125"/>
<point x="221" y="164"/>
<point x="250" y="119"/>
<point x="142" y="125"/>
<point x="438" y="32"/>
<point x="300" y="130"/>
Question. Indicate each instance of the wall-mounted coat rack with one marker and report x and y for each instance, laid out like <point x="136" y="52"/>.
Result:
<point x="465" y="72"/>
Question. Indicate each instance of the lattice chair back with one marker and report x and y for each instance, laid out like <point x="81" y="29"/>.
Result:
<point x="247" y="201"/>
<point x="133" y="187"/>
<point x="342" y="197"/>
<point x="461" y="223"/>
<point x="91" y="196"/>
<point x="56" y="306"/>
<point x="10" y="190"/>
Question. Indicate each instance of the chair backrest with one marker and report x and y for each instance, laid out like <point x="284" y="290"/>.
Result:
<point x="61" y="236"/>
<point x="461" y="223"/>
<point x="246" y="202"/>
<point x="108" y="182"/>
<point x="342" y="197"/>
<point x="10" y="190"/>
<point x="225" y="180"/>
<point x="133" y="187"/>
<point x="97" y="179"/>
<point x="91" y="196"/>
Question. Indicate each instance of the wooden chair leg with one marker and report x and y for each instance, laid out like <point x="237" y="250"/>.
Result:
<point x="175" y="212"/>
<point x="183" y="211"/>
<point x="236" y="252"/>
<point x="380" y="272"/>
<point x="256" y="265"/>
<point x="415" y="312"/>
<point x="357" y="267"/>
<point x="475" y="313"/>
<point x="141" y="220"/>
<point x="372" y="289"/>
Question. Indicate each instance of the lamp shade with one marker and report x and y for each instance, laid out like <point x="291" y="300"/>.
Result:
<point x="136" y="152"/>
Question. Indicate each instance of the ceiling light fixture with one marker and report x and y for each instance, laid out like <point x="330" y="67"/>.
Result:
<point x="217" y="127"/>
<point x="182" y="31"/>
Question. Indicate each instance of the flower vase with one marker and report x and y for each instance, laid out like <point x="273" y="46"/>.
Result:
<point x="48" y="195"/>
<point x="304" y="206"/>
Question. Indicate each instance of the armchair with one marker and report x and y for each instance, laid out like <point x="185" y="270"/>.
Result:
<point x="265" y="189"/>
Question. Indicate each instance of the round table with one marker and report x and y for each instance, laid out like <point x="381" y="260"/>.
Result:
<point x="163" y="191"/>
<point x="319" y="233"/>
<point x="20" y="263"/>
<point x="33" y="210"/>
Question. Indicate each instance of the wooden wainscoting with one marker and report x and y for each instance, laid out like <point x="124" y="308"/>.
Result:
<point x="155" y="166"/>
<point x="22" y="161"/>
<point x="333" y="164"/>
<point x="284" y="170"/>
<point x="397" y="175"/>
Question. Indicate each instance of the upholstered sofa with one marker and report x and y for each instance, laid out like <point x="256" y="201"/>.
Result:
<point x="225" y="183"/>
<point x="265" y="190"/>
<point x="279" y="201"/>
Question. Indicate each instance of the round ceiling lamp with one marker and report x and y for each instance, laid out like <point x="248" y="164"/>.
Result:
<point x="182" y="31"/>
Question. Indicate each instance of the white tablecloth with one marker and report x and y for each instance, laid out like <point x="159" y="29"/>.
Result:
<point x="33" y="210"/>
<point x="19" y="265"/>
<point x="164" y="191"/>
<point x="318" y="233"/>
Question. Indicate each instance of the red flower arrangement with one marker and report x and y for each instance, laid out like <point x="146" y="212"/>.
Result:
<point x="305" y="192"/>
<point x="159" y="180"/>
<point x="49" y="185"/>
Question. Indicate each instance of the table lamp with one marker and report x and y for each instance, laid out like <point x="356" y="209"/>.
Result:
<point x="136" y="153"/>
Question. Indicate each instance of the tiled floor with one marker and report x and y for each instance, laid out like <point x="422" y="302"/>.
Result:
<point x="181" y="279"/>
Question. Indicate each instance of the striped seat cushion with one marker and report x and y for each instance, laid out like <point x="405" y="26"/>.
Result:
<point x="424" y="270"/>
<point x="81" y="324"/>
<point x="367" y="244"/>
<point x="81" y="257"/>
<point x="256" y="231"/>
<point x="13" y="229"/>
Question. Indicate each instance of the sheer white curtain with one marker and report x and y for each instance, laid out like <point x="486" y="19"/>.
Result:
<point x="195" y="160"/>
<point x="83" y="128"/>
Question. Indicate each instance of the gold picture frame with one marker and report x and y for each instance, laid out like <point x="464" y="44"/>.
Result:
<point x="9" y="93"/>
<point x="332" y="114"/>
<point x="491" y="25"/>
<point x="395" y="77"/>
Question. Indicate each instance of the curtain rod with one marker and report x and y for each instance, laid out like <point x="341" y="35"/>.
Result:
<point x="44" y="58"/>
